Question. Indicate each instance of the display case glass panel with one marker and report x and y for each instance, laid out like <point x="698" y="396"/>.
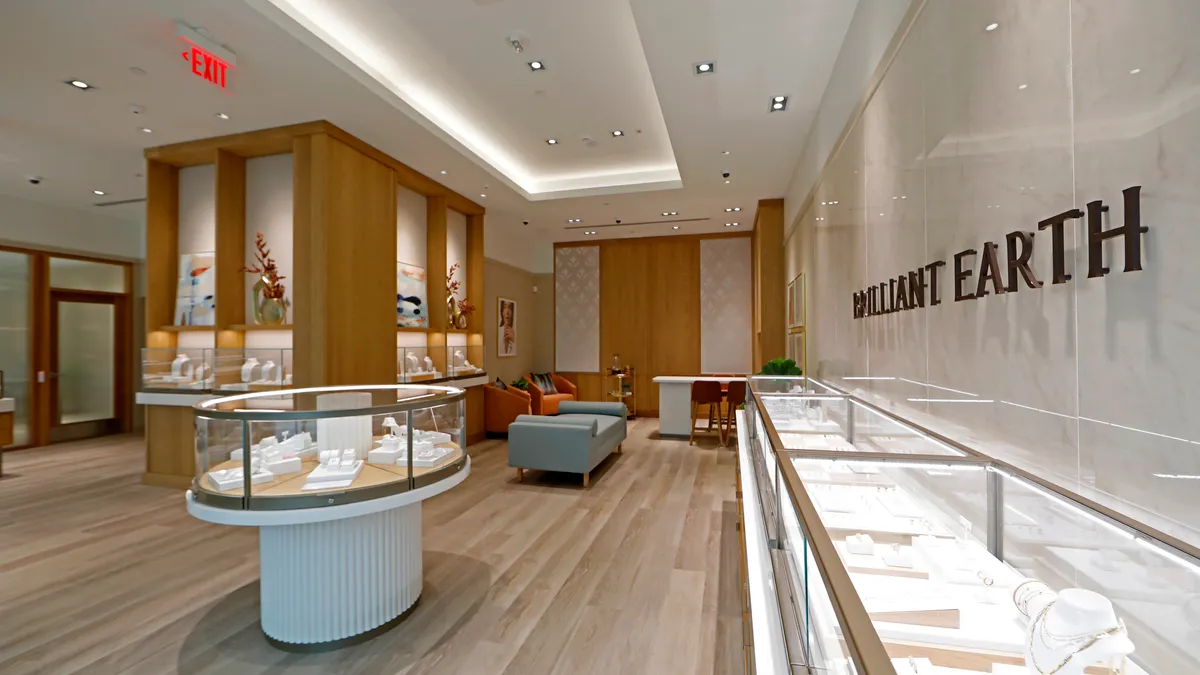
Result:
<point x="177" y="369"/>
<point x="966" y="566"/>
<point x="252" y="369"/>
<point x="437" y="363"/>
<point x="324" y="446"/>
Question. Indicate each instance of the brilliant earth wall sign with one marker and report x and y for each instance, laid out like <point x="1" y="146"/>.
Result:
<point x="922" y="286"/>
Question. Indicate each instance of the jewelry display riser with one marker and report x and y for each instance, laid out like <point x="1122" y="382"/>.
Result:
<point x="329" y="581"/>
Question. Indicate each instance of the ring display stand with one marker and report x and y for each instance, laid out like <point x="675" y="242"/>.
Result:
<point x="339" y="538"/>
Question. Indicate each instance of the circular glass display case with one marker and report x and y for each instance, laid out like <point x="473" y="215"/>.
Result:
<point x="325" y="446"/>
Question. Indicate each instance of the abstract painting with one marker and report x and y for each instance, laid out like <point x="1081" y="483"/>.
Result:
<point x="412" y="310"/>
<point x="195" y="296"/>
<point x="506" y="332"/>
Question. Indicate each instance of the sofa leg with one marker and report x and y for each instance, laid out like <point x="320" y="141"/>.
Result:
<point x="587" y="479"/>
<point x="520" y="475"/>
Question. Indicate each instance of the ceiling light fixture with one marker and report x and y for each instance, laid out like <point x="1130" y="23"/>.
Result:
<point x="778" y="103"/>
<point x="618" y="132"/>
<point x="222" y="116"/>
<point x="443" y="172"/>
<point x="590" y="232"/>
<point x="536" y="66"/>
<point x="483" y="194"/>
<point x="1135" y="71"/>
<point x="724" y="152"/>
<point x="731" y="224"/>
<point x="551" y="141"/>
<point x="706" y="68"/>
<point x="145" y="130"/>
<point x="727" y="182"/>
<point x="1024" y="86"/>
<point x="574" y="220"/>
<point x="79" y="84"/>
<point x="674" y="227"/>
<point x="733" y="210"/>
<point x="991" y="27"/>
<point x="97" y="192"/>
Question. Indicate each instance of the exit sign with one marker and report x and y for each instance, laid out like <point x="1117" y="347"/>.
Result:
<point x="206" y="58"/>
<point x="206" y="65"/>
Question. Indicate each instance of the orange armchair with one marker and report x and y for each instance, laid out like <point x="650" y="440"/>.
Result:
<point x="502" y="406"/>
<point x="547" y="404"/>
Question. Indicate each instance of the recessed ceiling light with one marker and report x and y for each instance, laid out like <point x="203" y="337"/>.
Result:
<point x="1135" y="71"/>
<point x="733" y="210"/>
<point x="97" y="192"/>
<point x="674" y="227"/>
<point x="779" y="103"/>
<point x="706" y="68"/>
<point x="727" y="182"/>
<point x="574" y="220"/>
<point x="992" y="27"/>
<point x="724" y="152"/>
<point x="222" y="116"/>
<point x="483" y="194"/>
<point x="1024" y="86"/>
<point x="551" y="141"/>
<point x="590" y="232"/>
<point x="618" y="132"/>
<point x="145" y="130"/>
<point x="822" y="203"/>
<point x="674" y="213"/>
<point x="443" y="172"/>
<point x="731" y="224"/>
<point x="536" y="66"/>
<point x="79" y="84"/>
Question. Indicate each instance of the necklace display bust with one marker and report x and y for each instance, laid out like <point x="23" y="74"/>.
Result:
<point x="1072" y="630"/>
<point x="248" y="369"/>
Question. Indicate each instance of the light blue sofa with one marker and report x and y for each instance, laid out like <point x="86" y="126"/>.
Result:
<point x="574" y="441"/>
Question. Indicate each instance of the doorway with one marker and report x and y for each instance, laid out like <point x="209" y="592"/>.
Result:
<point x="89" y="372"/>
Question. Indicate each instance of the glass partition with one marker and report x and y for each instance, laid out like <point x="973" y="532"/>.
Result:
<point x="962" y="565"/>
<point x="323" y="446"/>
<point x="14" y="338"/>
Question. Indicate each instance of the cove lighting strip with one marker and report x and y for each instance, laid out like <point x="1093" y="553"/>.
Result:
<point x="766" y="625"/>
<point x="951" y="400"/>
<point x="926" y="384"/>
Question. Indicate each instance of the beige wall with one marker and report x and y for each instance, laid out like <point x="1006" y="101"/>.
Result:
<point x="506" y="281"/>
<point x="543" y="326"/>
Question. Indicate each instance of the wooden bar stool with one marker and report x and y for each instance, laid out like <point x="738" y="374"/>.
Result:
<point x="734" y="397"/>
<point x="709" y="394"/>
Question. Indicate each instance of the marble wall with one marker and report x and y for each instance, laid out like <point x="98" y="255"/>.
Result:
<point x="973" y="134"/>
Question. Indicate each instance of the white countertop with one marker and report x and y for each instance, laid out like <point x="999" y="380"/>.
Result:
<point x="688" y="379"/>
<point x="7" y="405"/>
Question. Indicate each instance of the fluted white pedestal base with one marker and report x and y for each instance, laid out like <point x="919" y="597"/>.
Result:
<point x="331" y="581"/>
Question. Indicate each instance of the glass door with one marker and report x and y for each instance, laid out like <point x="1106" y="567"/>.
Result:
<point x="87" y="374"/>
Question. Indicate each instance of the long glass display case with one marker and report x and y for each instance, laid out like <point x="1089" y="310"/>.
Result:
<point x="438" y="363"/>
<point x="894" y="550"/>
<point x="179" y="369"/>
<point x="331" y="445"/>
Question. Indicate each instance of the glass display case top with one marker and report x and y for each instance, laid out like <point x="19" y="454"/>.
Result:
<point x="201" y="370"/>
<point x="438" y="363"/>
<point x="325" y="446"/>
<point x="964" y="566"/>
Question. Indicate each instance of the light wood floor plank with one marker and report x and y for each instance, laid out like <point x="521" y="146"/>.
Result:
<point x="100" y="575"/>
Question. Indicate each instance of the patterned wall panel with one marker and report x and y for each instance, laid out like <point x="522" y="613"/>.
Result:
<point x="725" y="297"/>
<point x="577" y="309"/>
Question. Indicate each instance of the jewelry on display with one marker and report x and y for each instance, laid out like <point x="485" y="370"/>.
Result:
<point x="1084" y="641"/>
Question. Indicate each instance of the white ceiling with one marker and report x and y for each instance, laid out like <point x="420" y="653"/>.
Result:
<point x="624" y="64"/>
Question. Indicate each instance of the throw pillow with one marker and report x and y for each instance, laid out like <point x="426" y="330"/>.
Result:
<point x="499" y="384"/>
<point x="545" y="382"/>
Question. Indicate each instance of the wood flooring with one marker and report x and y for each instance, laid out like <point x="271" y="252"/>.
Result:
<point x="638" y="574"/>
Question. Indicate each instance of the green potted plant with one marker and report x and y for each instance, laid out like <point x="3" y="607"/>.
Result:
<point x="521" y="384"/>
<point x="780" y="367"/>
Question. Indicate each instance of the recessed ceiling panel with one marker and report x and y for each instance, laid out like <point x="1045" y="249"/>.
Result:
<point x="452" y="65"/>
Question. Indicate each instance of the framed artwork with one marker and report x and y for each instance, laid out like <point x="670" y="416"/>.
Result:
<point x="412" y="308"/>
<point x="506" y="329"/>
<point x="196" y="292"/>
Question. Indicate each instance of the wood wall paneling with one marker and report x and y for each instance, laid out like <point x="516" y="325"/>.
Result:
<point x="435" y="262"/>
<point x="475" y="415"/>
<point x="590" y="385"/>
<point x="673" y="340"/>
<point x="231" y="242"/>
<point x="625" y="306"/>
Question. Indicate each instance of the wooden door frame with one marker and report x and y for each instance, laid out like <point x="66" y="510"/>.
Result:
<point x="39" y="401"/>
<point x="122" y="412"/>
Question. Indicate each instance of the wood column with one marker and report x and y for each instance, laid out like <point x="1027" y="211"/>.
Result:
<point x="770" y="287"/>
<point x="231" y="248"/>
<point x="435" y="276"/>
<point x="345" y="241"/>
<point x="162" y="251"/>
<point x="475" y="272"/>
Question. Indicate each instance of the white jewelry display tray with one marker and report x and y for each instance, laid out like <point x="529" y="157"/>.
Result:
<point x="233" y="479"/>
<point x="324" y="476"/>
